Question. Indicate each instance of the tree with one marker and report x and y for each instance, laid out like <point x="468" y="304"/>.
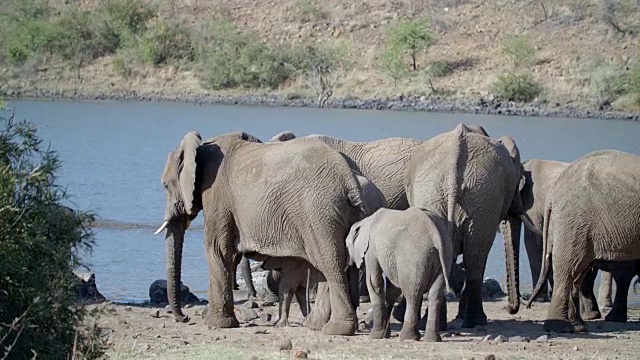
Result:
<point x="393" y="65"/>
<point x="410" y="37"/>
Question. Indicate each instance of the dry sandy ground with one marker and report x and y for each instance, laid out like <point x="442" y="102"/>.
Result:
<point x="135" y="333"/>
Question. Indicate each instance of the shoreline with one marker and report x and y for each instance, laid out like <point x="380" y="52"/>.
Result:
<point x="478" y="106"/>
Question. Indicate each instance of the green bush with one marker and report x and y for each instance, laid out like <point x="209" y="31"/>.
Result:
<point x="608" y="82"/>
<point x="119" y="22"/>
<point x="75" y="38"/>
<point x="234" y="58"/>
<point x="393" y="65"/>
<point x="410" y="37"/>
<point x="517" y="87"/>
<point x="39" y="243"/>
<point x="519" y="51"/>
<point x="165" y="42"/>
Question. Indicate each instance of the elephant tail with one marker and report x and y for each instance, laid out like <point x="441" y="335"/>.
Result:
<point x="356" y="198"/>
<point x="546" y="255"/>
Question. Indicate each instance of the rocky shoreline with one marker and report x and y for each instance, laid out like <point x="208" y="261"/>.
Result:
<point x="492" y="106"/>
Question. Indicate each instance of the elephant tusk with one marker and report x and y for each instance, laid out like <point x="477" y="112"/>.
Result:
<point x="162" y="227"/>
<point x="527" y="223"/>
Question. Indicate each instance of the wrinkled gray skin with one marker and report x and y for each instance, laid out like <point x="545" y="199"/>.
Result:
<point x="297" y="277"/>
<point x="485" y="176"/>
<point x="413" y="249"/>
<point x="590" y="219"/>
<point x="293" y="199"/>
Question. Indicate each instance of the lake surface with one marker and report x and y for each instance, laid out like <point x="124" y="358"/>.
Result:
<point x="113" y="155"/>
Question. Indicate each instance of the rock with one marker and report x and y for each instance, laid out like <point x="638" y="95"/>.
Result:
<point x="250" y="305"/>
<point x="265" y="317"/>
<point x="575" y="348"/>
<point x="246" y="314"/>
<point x="491" y="289"/>
<point x="500" y="339"/>
<point x="299" y="354"/>
<point x="490" y="357"/>
<point x="486" y="339"/>
<point x="168" y="309"/>
<point x="268" y="303"/>
<point x="518" y="339"/>
<point x="127" y="308"/>
<point x="158" y="293"/>
<point x="86" y="289"/>
<point x="542" y="339"/>
<point x="285" y="344"/>
<point x="155" y="314"/>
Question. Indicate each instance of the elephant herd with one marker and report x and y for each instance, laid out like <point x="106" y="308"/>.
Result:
<point x="325" y="211"/>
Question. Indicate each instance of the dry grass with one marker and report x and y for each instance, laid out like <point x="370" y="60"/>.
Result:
<point x="570" y="36"/>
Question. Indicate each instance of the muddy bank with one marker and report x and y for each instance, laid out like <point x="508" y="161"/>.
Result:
<point x="489" y="106"/>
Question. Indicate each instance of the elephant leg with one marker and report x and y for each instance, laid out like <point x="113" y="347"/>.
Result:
<point x="362" y="283"/>
<point x="568" y="275"/>
<point x="462" y="303"/>
<point x="442" y="315"/>
<point x="588" y="304"/>
<point x="285" y="293"/>
<point x="271" y="290"/>
<point x="533" y="245"/>
<point x="410" y="325"/>
<point x="436" y="303"/>
<point x="301" y="298"/>
<point x="377" y="294"/>
<point x="622" y="273"/>
<point x="321" y="311"/>
<point x="605" y="290"/>
<point x="220" y="312"/>
<point x="353" y="279"/>
<point x="234" y="281"/>
<point x="245" y="268"/>
<point x="475" y="262"/>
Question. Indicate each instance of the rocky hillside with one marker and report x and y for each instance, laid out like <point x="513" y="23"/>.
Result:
<point x="577" y="51"/>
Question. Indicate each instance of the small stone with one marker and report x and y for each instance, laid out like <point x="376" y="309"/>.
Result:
<point x="163" y="325"/>
<point x="185" y="342"/>
<point x="124" y="322"/>
<point x="158" y="336"/>
<point x="265" y="317"/>
<point x="500" y="339"/>
<point x="575" y="348"/>
<point x="490" y="357"/>
<point x="542" y="339"/>
<point x="247" y="314"/>
<point x="155" y="314"/>
<point x="299" y="354"/>
<point x="518" y="339"/>
<point x="127" y="308"/>
<point x="250" y="305"/>
<point x="486" y="339"/>
<point x="285" y="344"/>
<point x="168" y="309"/>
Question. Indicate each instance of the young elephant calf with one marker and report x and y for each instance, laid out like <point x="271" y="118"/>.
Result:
<point x="412" y="248"/>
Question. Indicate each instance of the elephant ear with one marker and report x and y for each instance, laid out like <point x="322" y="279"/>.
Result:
<point x="187" y="173"/>
<point x="358" y="239"/>
<point x="510" y="144"/>
<point x="283" y="136"/>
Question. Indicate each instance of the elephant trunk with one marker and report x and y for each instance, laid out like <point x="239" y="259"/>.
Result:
<point x="174" y="241"/>
<point x="511" y="233"/>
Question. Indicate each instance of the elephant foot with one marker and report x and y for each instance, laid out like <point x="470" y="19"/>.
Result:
<point x="591" y="314"/>
<point x="221" y="322"/>
<point x="344" y="328"/>
<point x="181" y="318"/>
<point x="564" y="326"/>
<point x="364" y="299"/>
<point x="379" y="334"/>
<point x="616" y="317"/>
<point x="474" y="319"/>
<point x="281" y="323"/>
<point x="432" y="337"/>
<point x="315" y="320"/>
<point x="409" y="334"/>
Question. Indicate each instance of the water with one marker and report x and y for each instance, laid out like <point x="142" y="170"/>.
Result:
<point x="113" y="155"/>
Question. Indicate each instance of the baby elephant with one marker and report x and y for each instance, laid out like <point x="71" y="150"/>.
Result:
<point x="413" y="249"/>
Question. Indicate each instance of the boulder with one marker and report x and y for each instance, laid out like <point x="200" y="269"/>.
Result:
<point x="491" y="289"/>
<point x="86" y="289"/>
<point x="158" y="293"/>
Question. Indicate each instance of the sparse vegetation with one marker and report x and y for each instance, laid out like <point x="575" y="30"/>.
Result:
<point x="310" y="10"/>
<point x="519" y="51"/>
<point x="517" y="87"/>
<point x="38" y="248"/>
<point x="393" y="65"/>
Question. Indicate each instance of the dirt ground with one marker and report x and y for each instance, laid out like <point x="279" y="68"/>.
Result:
<point x="134" y="332"/>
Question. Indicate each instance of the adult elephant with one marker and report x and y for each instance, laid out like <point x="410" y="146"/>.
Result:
<point x="294" y="199"/>
<point x="485" y="177"/>
<point x="590" y="219"/>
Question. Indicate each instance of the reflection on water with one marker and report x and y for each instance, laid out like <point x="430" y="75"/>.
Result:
<point x="113" y="155"/>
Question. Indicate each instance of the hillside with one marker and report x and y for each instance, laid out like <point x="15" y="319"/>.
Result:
<point x="580" y="52"/>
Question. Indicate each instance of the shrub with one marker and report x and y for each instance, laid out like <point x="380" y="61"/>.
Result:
<point x="38" y="246"/>
<point x="165" y="42"/>
<point x="607" y="83"/>
<point x="519" y="51"/>
<point x="119" y="22"/>
<point x="74" y="37"/>
<point x="517" y="87"/>
<point x="235" y="58"/>
<point x="393" y="65"/>
<point x="439" y="69"/>
<point x="410" y="37"/>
